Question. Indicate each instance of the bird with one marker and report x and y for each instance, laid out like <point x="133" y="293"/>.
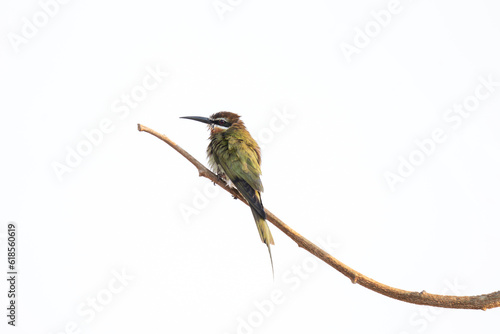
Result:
<point x="235" y="157"/>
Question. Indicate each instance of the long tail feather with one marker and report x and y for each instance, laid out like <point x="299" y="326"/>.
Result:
<point x="265" y="234"/>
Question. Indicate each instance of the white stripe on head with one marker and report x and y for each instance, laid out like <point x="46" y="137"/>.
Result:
<point x="223" y="127"/>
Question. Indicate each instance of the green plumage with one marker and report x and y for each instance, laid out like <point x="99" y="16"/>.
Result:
<point x="235" y="156"/>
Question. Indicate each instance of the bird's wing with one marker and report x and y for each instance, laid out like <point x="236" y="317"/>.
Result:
<point x="251" y="195"/>
<point x="244" y="163"/>
<point x="243" y="169"/>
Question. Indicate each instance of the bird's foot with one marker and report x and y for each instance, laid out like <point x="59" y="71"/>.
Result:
<point x="220" y="177"/>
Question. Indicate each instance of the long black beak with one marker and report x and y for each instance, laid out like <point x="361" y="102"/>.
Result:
<point x="199" y="119"/>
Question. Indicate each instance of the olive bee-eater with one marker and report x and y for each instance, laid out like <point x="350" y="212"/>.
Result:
<point x="235" y="157"/>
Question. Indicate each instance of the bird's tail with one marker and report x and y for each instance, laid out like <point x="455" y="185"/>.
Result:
<point x="265" y="234"/>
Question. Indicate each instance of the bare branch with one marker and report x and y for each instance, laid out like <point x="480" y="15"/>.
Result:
<point x="480" y="302"/>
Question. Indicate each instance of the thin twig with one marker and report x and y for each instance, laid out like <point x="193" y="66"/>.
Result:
<point x="480" y="302"/>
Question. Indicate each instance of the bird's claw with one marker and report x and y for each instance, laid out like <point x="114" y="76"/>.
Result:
<point x="219" y="177"/>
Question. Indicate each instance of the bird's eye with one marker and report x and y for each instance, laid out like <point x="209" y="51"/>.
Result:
<point x="222" y="122"/>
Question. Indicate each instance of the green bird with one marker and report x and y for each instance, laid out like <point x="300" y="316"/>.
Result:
<point x="235" y="157"/>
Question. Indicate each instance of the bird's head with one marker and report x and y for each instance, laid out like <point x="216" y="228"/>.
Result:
<point x="218" y="122"/>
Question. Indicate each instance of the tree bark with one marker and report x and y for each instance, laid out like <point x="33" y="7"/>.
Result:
<point x="480" y="302"/>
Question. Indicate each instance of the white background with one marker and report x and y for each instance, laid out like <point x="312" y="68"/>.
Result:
<point x="191" y="255"/>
